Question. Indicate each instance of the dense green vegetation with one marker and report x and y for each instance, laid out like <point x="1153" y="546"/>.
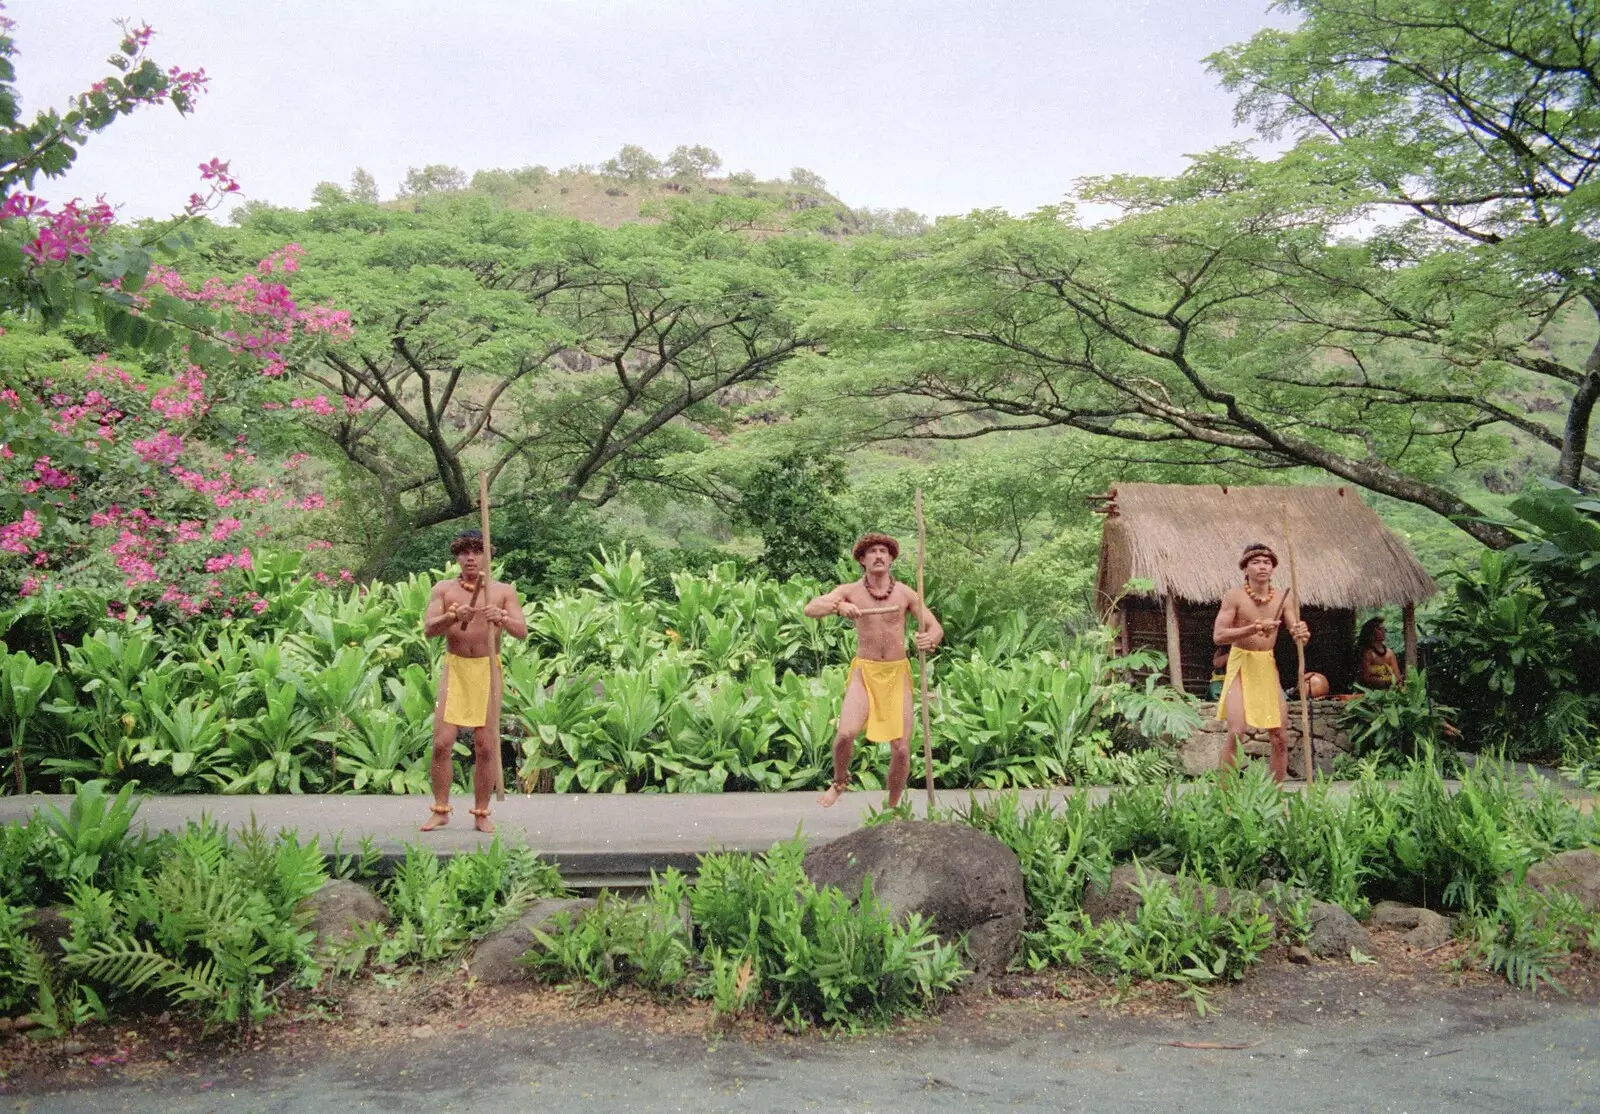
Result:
<point x="211" y="926"/>
<point x="703" y="683"/>
<point x="1464" y="853"/>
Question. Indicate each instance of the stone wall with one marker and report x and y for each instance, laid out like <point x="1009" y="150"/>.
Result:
<point x="1202" y="751"/>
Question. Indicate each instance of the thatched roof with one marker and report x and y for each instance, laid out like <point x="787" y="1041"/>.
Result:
<point x="1187" y="540"/>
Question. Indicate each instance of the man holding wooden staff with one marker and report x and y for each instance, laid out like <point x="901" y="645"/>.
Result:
<point x="878" y="697"/>
<point x="468" y="611"/>
<point x="1248" y="622"/>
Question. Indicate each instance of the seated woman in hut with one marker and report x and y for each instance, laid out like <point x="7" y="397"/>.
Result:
<point x="1377" y="667"/>
<point x="1219" y="672"/>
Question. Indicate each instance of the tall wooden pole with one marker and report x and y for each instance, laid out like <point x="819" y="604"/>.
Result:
<point x="1409" y="619"/>
<point x="497" y="680"/>
<point x="1174" y="644"/>
<point x="922" y="659"/>
<point x="1299" y="648"/>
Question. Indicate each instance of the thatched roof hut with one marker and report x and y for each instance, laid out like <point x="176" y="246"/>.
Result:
<point x="1186" y="540"/>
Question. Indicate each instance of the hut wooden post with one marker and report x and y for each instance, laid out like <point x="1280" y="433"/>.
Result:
<point x="1410" y="621"/>
<point x="1174" y="644"/>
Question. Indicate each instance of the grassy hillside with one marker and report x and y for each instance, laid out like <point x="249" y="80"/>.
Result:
<point x="610" y="201"/>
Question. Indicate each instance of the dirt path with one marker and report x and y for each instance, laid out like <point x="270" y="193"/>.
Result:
<point x="1403" y="1035"/>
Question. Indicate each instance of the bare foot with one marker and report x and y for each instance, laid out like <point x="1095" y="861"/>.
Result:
<point x="481" y="821"/>
<point x="439" y="818"/>
<point x="830" y="796"/>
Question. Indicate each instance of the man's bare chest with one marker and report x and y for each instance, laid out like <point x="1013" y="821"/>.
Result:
<point x="862" y="598"/>
<point x="1251" y="608"/>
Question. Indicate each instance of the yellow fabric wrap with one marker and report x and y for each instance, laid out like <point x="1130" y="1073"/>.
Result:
<point x="468" y="682"/>
<point x="886" y="696"/>
<point x="1257" y="673"/>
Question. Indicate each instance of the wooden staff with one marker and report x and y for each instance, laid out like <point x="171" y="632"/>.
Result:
<point x="1299" y="647"/>
<point x="922" y="660"/>
<point x="496" y="681"/>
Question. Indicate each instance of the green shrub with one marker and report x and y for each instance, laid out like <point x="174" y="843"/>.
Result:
<point x="1181" y="933"/>
<point x="1519" y="633"/>
<point x="642" y="942"/>
<point x="765" y="934"/>
<point x="440" y="905"/>
<point x="204" y="932"/>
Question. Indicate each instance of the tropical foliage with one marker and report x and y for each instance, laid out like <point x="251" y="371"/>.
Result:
<point x="1519" y="634"/>
<point x="1463" y="852"/>
<point x="716" y="684"/>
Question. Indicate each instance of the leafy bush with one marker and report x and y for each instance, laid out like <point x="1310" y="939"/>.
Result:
<point x="440" y="905"/>
<point x="1518" y="635"/>
<point x="765" y="934"/>
<point x="204" y="932"/>
<point x="1415" y="841"/>
<point x="1181" y="934"/>
<point x="1394" y="723"/>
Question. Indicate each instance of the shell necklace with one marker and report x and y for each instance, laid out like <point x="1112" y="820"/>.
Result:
<point x="1261" y="601"/>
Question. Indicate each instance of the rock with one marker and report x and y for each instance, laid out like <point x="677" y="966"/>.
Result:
<point x="1394" y="915"/>
<point x="1119" y="900"/>
<point x="339" y="909"/>
<point x="1432" y="931"/>
<point x="1334" y="932"/>
<point x="1573" y="872"/>
<point x="1297" y="954"/>
<point x="1423" y="928"/>
<point x="497" y="958"/>
<point x="963" y="880"/>
<point x="47" y="927"/>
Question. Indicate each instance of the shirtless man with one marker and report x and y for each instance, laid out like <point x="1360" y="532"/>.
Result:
<point x="878" y="697"/>
<point x="1248" y="623"/>
<point x="469" y="684"/>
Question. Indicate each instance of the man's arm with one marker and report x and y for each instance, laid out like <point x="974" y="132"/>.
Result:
<point x="509" y="614"/>
<point x="929" y="632"/>
<point x="1226" y="631"/>
<point x="832" y="603"/>
<point x="1297" y="629"/>
<point x="435" y="621"/>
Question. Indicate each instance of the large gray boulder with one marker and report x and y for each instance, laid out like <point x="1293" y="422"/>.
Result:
<point x="497" y="958"/>
<point x="338" y="910"/>
<point x="964" y="880"/>
<point x="1573" y="872"/>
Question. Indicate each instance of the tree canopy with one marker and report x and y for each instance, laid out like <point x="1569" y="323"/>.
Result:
<point x="565" y="360"/>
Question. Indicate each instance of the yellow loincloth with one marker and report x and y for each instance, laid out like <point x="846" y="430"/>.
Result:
<point x="468" y="683"/>
<point x="1257" y="671"/>
<point x="886" y="697"/>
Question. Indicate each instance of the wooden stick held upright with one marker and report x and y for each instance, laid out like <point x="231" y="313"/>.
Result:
<point x="922" y="660"/>
<point x="1299" y="648"/>
<point x="497" y="682"/>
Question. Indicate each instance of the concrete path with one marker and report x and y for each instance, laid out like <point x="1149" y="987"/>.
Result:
<point x="595" y="838"/>
<point x="592" y="837"/>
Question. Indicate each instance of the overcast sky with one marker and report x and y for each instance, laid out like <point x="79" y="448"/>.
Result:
<point x="941" y="105"/>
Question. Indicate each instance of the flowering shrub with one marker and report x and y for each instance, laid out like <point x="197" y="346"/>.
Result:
<point x="104" y="481"/>
<point x="56" y="260"/>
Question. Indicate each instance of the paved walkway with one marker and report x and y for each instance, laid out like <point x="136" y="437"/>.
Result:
<point x="589" y="835"/>
<point x="594" y="838"/>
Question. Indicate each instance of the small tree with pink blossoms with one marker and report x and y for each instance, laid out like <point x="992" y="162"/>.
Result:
<point x="112" y="479"/>
<point x="55" y="261"/>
